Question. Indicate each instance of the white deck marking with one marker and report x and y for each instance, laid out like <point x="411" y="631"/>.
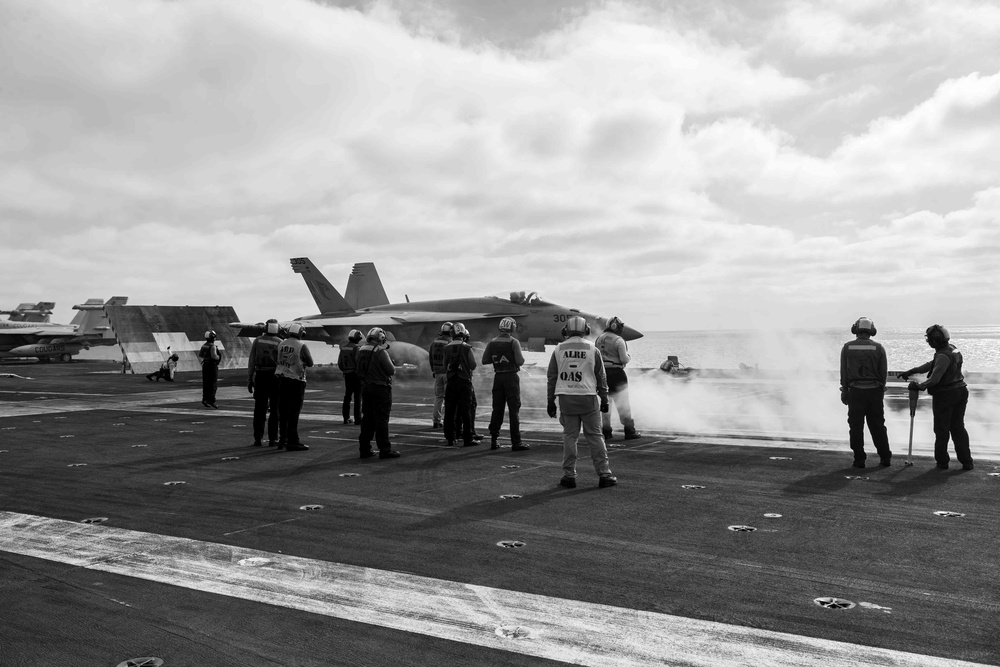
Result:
<point x="562" y="630"/>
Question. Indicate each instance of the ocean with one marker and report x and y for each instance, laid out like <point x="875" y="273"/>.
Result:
<point x="797" y="350"/>
<point x="801" y="349"/>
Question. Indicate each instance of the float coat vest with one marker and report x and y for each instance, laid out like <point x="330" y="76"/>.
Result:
<point x="290" y="360"/>
<point x="952" y="378"/>
<point x="575" y="364"/>
<point x="502" y="354"/>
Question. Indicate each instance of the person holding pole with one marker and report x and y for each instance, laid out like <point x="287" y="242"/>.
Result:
<point x="946" y="384"/>
<point x="863" y="373"/>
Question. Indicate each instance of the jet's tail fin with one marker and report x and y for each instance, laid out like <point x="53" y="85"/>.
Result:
<point x="30" y="312"/>
<point x="326" y="296"/>
<point x="364" y="287"/>
<point x="92" y="319"/>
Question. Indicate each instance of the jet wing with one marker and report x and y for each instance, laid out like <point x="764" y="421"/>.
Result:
<point x="365" y="320"/>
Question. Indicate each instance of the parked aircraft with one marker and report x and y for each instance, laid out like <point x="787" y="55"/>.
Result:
<point x="27" y="312"/>
<point x="59" y="342"/>
<point x="413" y="325"/>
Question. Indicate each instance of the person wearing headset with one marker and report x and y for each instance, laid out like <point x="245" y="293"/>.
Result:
<point x="863" y="374"/>
<point x="347" y="362"/>
<point x="263" y="384"/>
<point x="438" y="371"/>
<point x="210" y="357"/>
<point x="459" y="365"/>
<point x="946" y="384"/>
<point x="576" y="377"/>
<point x="293" y="360"/>
<point x="614" y="352"/>
<point x="504" y="352"/>
<point x="375" y="370"/>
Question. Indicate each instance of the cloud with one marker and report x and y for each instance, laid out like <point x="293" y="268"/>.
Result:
<point x="951" y="139"/>
<point x="625" y="154"/>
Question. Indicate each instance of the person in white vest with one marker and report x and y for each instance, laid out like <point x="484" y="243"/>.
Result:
<point x="293" y="360"/>
<point x="576" y="377"/>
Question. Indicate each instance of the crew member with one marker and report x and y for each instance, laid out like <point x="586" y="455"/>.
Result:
<point x="166" y="370"/>
<point x="210" y="356"/>
<point x="262" y="383"/>
<point x="293" y="360"/>
<point x="436" y="354"/>
<point x="375" y="370"/>
<point x="614" y="353"/>
<point x="347" y="362"/>
<point x="459" y="365"/>
<point x="946" y="384"/>
<point x="504" y="352"/>
<point x="863" y="373"/>
<point x="576" y="376"/>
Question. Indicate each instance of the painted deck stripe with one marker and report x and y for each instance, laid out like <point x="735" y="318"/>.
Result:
<point x="562" y="630"/>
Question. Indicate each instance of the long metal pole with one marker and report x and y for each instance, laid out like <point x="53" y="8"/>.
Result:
<point x="914" y="394"/>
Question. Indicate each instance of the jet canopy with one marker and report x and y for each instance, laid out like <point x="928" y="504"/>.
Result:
<point x="523" y="298"/>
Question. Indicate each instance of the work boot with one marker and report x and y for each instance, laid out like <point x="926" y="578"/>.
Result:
<point x="568" y="482"/>
<point x="520" y="447"/>
<point x="632" y="434"/>
<point x="607" y="433"/>
<point x="606" y="481"/>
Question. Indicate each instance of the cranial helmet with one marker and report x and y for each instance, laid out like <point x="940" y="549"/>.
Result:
<point x="576" y="326"/>
<point x="616" y="325"/>
<point x="937" y="335"/>
<point x="460" y="331"/>
<point x="295" y="330"/>
<point x="376" y="336"/>
<point x="272" y="327"/>
<point x="210" y="334"/>
<point x="508" y="325"/>
<point x="863" y="324"/>
<point x="447" y="328"/>
<point x="354" y="336"/>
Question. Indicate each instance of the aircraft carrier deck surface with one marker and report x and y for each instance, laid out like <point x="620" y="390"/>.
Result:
<point x="135" y="523"/>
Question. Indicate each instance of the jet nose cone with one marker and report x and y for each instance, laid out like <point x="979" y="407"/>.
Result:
<point x="631" y="334"/>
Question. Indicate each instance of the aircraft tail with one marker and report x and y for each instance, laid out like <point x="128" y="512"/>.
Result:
<point x="92" y="319"/>
<point x="28" y="312"/>
<point x="327" y="298"/>
<point x="364" y="287"/>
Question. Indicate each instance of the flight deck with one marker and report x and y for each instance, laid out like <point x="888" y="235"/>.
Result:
<point x="135" y="523"/>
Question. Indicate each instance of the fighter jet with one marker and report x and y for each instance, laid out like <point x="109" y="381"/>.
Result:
<point x="413" y="325"/>
<point x="59" y="342"/>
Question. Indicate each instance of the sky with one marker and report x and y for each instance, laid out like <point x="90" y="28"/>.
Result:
<point x="693" y="164"/>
